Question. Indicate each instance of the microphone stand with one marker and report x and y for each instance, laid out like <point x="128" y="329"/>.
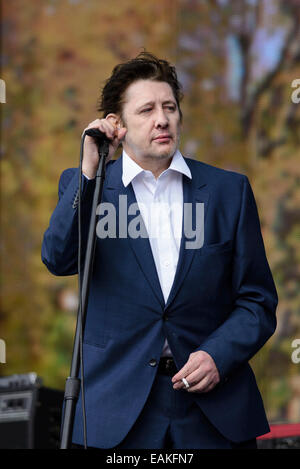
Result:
<point x="73" y="383"/>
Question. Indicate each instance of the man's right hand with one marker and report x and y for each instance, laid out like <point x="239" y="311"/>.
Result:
<point x="113" y="132"/>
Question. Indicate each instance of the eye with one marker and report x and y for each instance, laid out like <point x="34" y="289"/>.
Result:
<point x="148" y="109"/>
<point x="170" y="108"/>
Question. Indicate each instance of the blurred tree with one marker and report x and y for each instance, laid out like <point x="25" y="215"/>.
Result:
<point x="236" y="60"/>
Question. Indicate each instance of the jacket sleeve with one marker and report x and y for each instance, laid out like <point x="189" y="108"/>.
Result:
<point x="60" y="242"/>
<point x="253" y="319"/>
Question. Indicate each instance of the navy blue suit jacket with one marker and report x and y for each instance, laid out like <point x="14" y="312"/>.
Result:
<point x="223" y="301"/>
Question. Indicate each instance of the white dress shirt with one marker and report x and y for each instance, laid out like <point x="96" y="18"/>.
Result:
<point x="161" y="206"/>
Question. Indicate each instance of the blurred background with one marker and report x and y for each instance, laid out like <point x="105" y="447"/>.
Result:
<point x="237" y="62"/>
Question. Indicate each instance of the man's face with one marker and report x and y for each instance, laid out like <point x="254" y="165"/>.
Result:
<point x="151" y="116"/>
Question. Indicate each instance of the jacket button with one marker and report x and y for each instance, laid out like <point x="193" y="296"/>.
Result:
<point x="165" y="317"/>
<point x="153" y="362"/>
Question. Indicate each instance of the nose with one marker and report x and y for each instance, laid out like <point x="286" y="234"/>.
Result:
<point x="161" y="119"/>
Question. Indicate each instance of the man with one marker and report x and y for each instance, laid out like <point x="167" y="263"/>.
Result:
<point x="172" y="321"/>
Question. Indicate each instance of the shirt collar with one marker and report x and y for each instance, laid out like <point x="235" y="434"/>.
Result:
<point x="131" y="169"/>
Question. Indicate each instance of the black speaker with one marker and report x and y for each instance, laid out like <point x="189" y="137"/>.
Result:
<point x="30" y="414"/>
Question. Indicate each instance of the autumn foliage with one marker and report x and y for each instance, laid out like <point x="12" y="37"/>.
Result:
<point x="236" y="60"/>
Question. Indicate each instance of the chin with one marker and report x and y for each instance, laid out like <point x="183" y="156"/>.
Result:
<point x="167" y="153"/>
<point x="163" y="156"/>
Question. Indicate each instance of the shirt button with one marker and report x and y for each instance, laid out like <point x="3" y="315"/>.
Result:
<point x="153" y="362"/>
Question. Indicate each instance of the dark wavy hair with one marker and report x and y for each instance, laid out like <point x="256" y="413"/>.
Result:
<point x="146" y="67"/>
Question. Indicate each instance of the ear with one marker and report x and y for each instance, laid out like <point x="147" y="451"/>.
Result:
<point x="115" y="120"/>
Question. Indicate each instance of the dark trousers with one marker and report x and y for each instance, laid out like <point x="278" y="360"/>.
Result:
<point x="171" y="420"/>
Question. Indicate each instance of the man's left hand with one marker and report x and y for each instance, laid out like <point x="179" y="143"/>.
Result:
<point x="200" y="372"/>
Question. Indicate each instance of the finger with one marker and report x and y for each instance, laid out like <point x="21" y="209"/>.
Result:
<point x="179" y="385"/>
<point x="92" y="125"/>
<point x="187" y="369"/>
<point x="119" y="136"/>
<point x="121" y="133"/>
<point x="205" y="385"/>
<point x="205" y="389"/>
<point x="193" y="378"/>
<point x="104" y="126"/>
<point x="201" y="386"/>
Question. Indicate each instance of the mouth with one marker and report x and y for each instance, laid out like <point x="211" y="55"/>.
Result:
<point x="163" y="138"/>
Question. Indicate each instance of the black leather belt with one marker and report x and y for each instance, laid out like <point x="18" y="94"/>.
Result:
<point x="167" y="366"/>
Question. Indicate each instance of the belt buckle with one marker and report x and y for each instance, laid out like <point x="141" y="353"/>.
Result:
<point x="169" y="363"/>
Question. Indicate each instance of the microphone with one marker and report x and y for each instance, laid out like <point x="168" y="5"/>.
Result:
<point x="97" y="134"/>
<point x="101" y="141"/>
